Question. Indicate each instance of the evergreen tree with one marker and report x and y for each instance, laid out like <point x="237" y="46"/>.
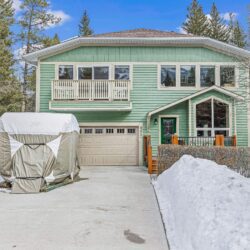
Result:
<point x="35" y="17"/>
<point x="10" y="96"/>
<point x="84" y="26"/>
<point x="6" y="57"/>
<point x="237" y="35"/>
<point x="196" y="22"/>
<point x="217" y="27"/>
<point x="47" y="41"/>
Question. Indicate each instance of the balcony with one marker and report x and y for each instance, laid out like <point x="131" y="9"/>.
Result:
<point x="90" y="95"/>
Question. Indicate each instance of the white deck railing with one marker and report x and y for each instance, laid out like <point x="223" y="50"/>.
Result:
<point x="90" y="90"/>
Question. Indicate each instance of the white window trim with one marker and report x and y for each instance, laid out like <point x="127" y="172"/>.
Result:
<point x="111" y="66"/>
<point x="214" y="129"/>
<point x="168" y="116"/>
<point x="197" y="74"/>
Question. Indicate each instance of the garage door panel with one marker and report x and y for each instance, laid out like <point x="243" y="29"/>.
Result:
<point x="117" y="148"/>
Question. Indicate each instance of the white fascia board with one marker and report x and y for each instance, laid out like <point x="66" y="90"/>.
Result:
<point x="124" y="41"/>
<point x="216" y="88"/>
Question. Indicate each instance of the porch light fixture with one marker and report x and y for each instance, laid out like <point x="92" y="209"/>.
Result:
<point x="155" y="121"/>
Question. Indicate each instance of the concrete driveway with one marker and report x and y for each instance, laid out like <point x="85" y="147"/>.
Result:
<point x="114" y="209"/>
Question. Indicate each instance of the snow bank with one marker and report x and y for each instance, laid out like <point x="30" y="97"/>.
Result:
<point x="204" y="206"/>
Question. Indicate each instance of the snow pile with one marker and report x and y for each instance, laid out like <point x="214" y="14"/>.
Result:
<point x="205" y="206"/>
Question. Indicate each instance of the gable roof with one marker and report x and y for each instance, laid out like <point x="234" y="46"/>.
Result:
<point x="142" y="33"/>
<point x="138" y="37"/>
<point x="203" y="91"/>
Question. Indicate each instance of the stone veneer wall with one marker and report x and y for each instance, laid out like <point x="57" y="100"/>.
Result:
<point x="236" y="158"/>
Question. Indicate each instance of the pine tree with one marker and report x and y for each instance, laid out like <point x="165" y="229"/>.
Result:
<point x="47" y="41"/>
<point x="196" y="22"/>
<point x="217" y="27"/>
<point x="35" y="17"/>
<point x="84" y="26"/>
<point x="10" y="96"/>
<point x="237" y="35"/>
<point x="6" y="57"/>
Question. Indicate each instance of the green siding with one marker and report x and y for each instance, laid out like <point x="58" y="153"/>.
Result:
<point x="46" y="76"/>
<point x="139" y="54"/>
<point x="145" y="95"/>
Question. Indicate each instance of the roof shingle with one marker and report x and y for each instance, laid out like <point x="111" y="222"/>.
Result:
<point x="142" y="33"/>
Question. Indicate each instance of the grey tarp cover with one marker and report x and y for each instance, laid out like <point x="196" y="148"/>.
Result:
<point x="32" y="162"/>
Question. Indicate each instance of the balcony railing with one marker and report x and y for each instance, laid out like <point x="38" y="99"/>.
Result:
<point x="91" y="90"/>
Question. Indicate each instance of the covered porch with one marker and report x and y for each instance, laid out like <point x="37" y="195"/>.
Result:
<point x="205" y="118"/>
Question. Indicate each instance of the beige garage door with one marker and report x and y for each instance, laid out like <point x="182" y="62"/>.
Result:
<point x="109" y="146"/>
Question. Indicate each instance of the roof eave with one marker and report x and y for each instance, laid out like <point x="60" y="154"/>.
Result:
<point x="124" y="41"/>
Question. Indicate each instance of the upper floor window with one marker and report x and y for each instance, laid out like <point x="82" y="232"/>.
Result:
<point x="101" y="73"/>
<point x="207" y="76"/>
<point x="188" y="76"/>
<point x="93" y="73"/>
<point x="168" y="76"/>
<point x="122" y="72"/>
<point x="84" y="73"/>
<point x="227" y="76"/>
<point x="66" y="72"/>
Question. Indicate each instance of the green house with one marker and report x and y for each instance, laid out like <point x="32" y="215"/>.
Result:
<point x="124" y="85"/>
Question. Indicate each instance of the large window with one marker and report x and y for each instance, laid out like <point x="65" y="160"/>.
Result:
<point x="65" y="72"/>
<point x="93" y="73"/>
<point x="212" y="118"/>
<point x="101" y="73"/>
<point x="188" y="76"/>
<point x="84" y="73"/>
<point x="227" y="76"/>
<point x="121" y="72"/>
<point x="168" y="76"/>
<point x="207" y="77"/>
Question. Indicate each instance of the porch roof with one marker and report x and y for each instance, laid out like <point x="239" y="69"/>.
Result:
<point x="203" y="91"/>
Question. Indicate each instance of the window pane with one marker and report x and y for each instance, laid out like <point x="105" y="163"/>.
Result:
<point x="204" y="115"/>
<point x="221" y="115"/>
<point x="188" y="76"/>
<point x="207" y="76"/>
<point x="168" y="76"/>
<point x="84" y="73"/>
<point x="221" y="132"/>
<point x="202" y="133"/>
<point x="122" y="72"/>
<point x="65" y="72"/>
<point x="227" y="76"/>
<point x="101" y="73"/>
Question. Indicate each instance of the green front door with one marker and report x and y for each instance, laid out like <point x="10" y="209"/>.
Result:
<point x="168" y="128"/>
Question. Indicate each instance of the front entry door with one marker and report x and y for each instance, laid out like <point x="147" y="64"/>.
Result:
<point x="168" y="128"/>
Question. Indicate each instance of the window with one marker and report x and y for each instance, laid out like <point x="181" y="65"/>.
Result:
<point x="109" y="131"/>
<point x="121" y="72"/>
<point x="101" y="73"/>
<point x="88" y="131"/>
<point x="131" y="130"/>
<point x="207" y="76"/>
<point x="65" y="72"/>
<point x="227" y="76"/>
<point x="188" y="76"/>
<point x="212" y="118"/>
<point x="168" y="76"/>
<point x="98" y="130"/>
<point x="120" y="131"/>
<point x="84" y="73"/>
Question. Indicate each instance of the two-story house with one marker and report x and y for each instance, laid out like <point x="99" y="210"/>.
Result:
<point x="124" y="85"/>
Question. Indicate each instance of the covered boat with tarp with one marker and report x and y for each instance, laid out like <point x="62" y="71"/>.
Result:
<point x="38" y="151"/>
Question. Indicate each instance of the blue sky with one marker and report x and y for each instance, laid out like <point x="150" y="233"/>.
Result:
<point x="115" y="15"/>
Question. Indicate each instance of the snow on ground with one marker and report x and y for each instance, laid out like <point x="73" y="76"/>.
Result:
<point x="204" y="206"/>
